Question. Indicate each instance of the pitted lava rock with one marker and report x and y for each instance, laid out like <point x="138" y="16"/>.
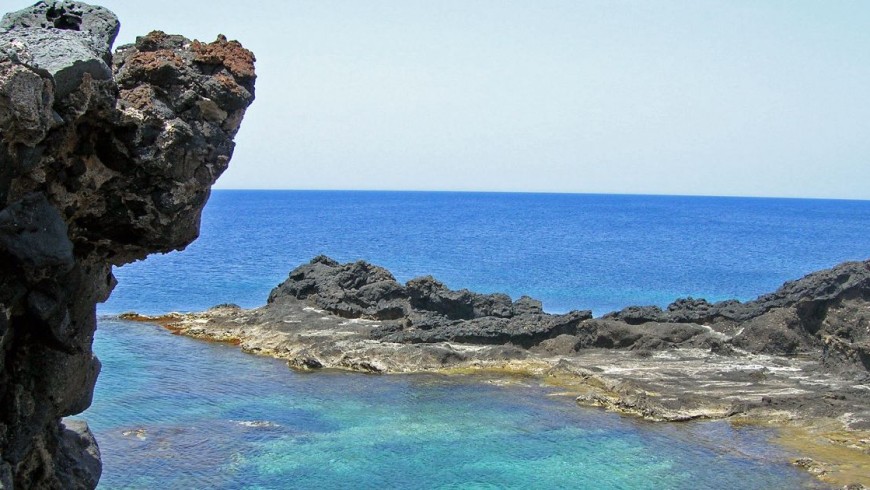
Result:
<point x="104" y="159"/>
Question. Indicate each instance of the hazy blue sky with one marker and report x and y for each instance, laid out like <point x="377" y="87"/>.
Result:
<point x="733" y="97"/>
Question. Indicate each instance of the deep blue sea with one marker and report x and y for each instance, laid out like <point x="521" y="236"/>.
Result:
<point x="172" y="412"/>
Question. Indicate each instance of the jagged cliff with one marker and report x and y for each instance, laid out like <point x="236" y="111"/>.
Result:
<point x="103" y="159"/>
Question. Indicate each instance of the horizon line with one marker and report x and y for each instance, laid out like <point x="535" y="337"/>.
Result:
<point x="566" y="193"/>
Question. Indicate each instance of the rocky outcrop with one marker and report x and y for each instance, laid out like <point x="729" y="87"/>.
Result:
<point x="819" y="288"/>
<point x="423" y="310"/>
<point x="103" y="159"/>
<point x="357" y="290"/>
<point x="824" y="312"/>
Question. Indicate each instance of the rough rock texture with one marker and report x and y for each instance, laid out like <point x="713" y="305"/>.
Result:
<point x="825" y="312"/>
<point x="423" y="310"/>
<point x="358" y="290"/>
<point x="103" y="160"/>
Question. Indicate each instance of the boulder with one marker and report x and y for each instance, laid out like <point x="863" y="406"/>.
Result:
<point x="356" y="290"/>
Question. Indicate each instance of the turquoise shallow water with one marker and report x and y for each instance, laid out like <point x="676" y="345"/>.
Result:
<point x="213" y="417"/>
<point x="216" y="418"/>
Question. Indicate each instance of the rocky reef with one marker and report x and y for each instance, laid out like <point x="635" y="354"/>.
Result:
<point x="104" y="158"/>
<point x="796" y="357"/>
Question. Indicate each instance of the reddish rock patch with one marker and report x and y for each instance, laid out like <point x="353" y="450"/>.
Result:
<point x="238" y="60"/>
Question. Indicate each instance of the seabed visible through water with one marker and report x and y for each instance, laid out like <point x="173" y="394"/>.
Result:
<point x="174" y="412"/>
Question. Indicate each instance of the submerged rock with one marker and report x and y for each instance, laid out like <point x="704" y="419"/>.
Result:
<point x="103" y="159"/>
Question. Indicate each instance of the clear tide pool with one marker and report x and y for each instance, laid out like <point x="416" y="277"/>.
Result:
<point x="172" y="412"/>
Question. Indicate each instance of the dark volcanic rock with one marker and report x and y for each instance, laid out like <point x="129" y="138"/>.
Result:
<point x="683" y="310"/>
<point x="825" y="314"/>
<point x="357" y="290"/>
<point x="611" y="334"/>
<point x="80" y="37"/>
<point x="778" y="331"/>
<point x="825" y="310"/>
<point x="525" y="330"/>
<point x="103" y="160"/>
<point x="811" y="292"/>
<point x="82" y="455"/>
<point x="427" y="294"/>
<point x="98" y="25"/>
<point x="424" y="310"/>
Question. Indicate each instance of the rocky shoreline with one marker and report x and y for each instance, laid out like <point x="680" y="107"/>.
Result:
<point x="796" y="358"/>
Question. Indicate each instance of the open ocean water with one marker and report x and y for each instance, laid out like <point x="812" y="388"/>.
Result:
<point x="171" y="412"/>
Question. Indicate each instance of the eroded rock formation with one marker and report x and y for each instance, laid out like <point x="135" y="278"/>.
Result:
<point x="823" y="315"/>
<point x="423" y="310"/>
<point x="800" y="349"/>
<point x="826" y="312"/>
<point x="103" y="159"/>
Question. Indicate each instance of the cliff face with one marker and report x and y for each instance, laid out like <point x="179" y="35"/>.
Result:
<point x="103" y="160"/>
